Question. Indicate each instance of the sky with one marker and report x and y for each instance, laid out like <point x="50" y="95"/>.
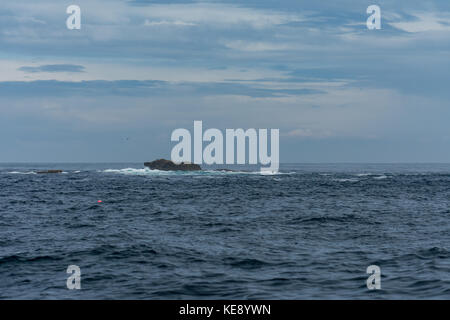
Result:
<point x="115" y="90"/>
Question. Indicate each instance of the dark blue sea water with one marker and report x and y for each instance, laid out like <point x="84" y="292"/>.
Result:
<point x="307" y="233"/>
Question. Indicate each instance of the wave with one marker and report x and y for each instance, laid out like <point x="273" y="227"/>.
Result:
<point x="327" y="219"/>
<point x="144" y="171"/>
<point x="18" y="172"/>
<point x="346" y="180"/>
<point x="373" y="175"/>
<point x="155" y="172"/>
<point x="34" y="172"/>
<point x="364" y="174"/>
<point x="22" y="258"/>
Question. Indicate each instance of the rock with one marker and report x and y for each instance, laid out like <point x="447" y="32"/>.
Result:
<point x="167" y="165"/>
<point x="50" y="171"/>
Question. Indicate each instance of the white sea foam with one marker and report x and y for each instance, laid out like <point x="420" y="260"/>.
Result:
<point x="18" y="172"/>
<point x="155" y="172"/>
<point x="146" y="172"/>
<point x="134" y="171"/>
<point x="346" y="180"/>
<point x="269" y="173"/>
<point x="380" y="177"/>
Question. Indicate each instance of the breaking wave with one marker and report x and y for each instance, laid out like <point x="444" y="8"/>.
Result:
<point x="155" y="172"/>
<point x="18" y="172"/>
<point x="346" y="180"/>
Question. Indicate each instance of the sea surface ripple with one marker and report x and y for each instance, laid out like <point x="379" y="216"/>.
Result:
<point x="307" y="233"/>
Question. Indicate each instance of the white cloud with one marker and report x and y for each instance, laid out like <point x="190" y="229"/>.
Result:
<point x="425" y="22"/>
<point x="149" y="23"/>
<point x="107" y="70"/>
<point x="252" y="46"/>
<point x="309" y="133"/>
<point x="217" y="14"/>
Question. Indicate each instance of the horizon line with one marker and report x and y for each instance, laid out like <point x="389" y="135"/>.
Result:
<point x="224" y="164"/>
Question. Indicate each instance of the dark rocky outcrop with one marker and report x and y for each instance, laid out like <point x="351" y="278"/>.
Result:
<point x="49" y="171"/>
<point x="167" y="165"/>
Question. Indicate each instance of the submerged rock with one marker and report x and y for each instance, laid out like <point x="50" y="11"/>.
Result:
<point x="167" y="165"/>
<point x="49" y="171"/>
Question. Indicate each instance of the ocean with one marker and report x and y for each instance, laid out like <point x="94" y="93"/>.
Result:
<point x="309" y="232"/>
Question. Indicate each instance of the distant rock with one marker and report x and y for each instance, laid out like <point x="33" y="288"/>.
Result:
<point x="49" y="171"/>
<point x="167" y="165"/>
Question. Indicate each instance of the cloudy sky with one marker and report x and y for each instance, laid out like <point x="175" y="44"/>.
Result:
<point x="138" y="69"/>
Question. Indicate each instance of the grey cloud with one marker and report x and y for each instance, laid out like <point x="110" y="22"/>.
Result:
<point x="53" y="68"/>
<point x="136" y="88"/>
